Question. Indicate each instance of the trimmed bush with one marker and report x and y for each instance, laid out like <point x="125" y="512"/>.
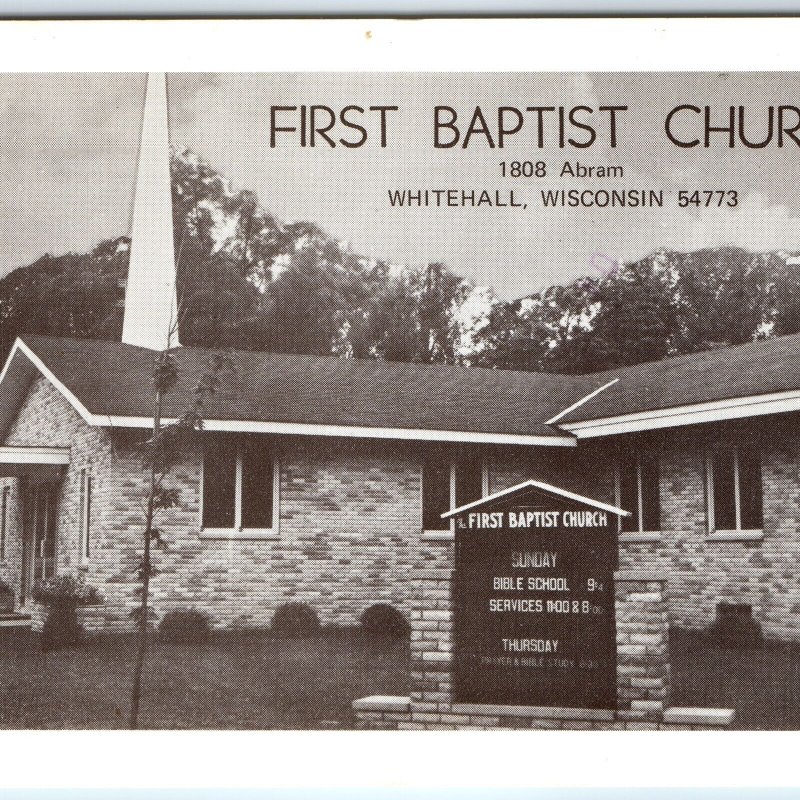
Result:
<point x="384" y="620"/>
<point x="295" y="619"/>
<point x="734" y="627"/>
<point x="185" y="626"/>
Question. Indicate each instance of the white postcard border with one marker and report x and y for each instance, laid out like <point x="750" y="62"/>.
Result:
<point x="400" y="760"/>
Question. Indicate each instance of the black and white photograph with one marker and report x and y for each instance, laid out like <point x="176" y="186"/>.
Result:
<point x="400" y="401"/>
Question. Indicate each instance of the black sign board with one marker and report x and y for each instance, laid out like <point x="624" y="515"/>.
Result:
<point x="534" y="602"/>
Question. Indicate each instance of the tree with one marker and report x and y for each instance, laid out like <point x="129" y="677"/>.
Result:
<point x="249" y="281"/>
<point x="159" y="454"/>
<point x="322" y="292"/>
<point x="71" y="295"/>
<point x="723" y="295"/>
<point x="667" y="303"/>
<point x="785" y="297"/>
<point x="538" y="332"/>
<point x="410" y="315"/>
<point x="629" y="319"/>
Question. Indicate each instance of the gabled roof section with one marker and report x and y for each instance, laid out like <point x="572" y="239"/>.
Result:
<point x="752" y="379"/>
<point x="15" y="380"/>
<point x="547" y="488"/>
<point x="109" y="383"/>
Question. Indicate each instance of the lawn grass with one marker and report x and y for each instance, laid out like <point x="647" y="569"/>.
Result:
<point x="260" y="682"/>
<point x="761" y="683"/>
<point x="233" y="681"/>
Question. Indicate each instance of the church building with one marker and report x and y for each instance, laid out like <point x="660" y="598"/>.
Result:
<point x="324" y="480"/>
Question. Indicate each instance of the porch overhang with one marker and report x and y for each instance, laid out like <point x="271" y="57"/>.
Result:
<point x="32" y="462"/>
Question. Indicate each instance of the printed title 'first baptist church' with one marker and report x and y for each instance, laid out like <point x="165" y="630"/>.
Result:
<point x="324" y="480"/>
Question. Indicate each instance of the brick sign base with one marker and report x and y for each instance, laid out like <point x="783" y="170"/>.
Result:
<point x="643" y="677"/>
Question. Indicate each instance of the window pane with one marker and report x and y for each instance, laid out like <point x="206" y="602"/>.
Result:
<point x="435" y="494"/>
<point x="469" y="480"/>
<point x="651" y="506"/>
<point x="4" y="524"/>
<point x="219" y="482"/>
<point x="83" y="512"/>
<point x="87" y="516"/>
<point x="750" y="490"/>
<point x="82" y="508"/>
<point x="257" y="484"/>
<point x="628" y="492"/>
<point x="724" y="500"/>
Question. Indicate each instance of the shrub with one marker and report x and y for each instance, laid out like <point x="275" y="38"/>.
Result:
<point x="384" y="620"/>
<point x="185" y="626"/>
<point x="63" y="594"/>
<point x="295" y="619"/>
<point x="734" y="627"/>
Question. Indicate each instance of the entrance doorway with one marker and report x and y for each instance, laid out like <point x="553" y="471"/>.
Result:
<point x="39" y="516"/>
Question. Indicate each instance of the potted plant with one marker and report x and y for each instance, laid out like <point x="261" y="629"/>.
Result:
<point x="6" y="598"/>
<point x="62" y="595"/>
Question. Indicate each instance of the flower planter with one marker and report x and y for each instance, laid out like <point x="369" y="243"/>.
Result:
<point x="55" y="611"/>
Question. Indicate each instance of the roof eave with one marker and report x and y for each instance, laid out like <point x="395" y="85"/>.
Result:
<point x="557" y="439"/>
<point x="680" y="416"/>
<point x="569" y="409"/>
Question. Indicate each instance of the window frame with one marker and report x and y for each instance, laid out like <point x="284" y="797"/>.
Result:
<point x="237" y="531"/>
<point x="5" y="502"/>
<point x="85" y="514"/>
<point x="738" y="533"/>
<point x="449" y="532"/>
<point x="642" y="534"/>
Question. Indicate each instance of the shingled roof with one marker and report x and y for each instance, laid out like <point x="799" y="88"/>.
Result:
<point x="754" y="369"/>
<point x="111" y="379"/>
<point x="110" y="383"/>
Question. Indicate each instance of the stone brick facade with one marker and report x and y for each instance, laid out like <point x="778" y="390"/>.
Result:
<point x="47" y="419"/>
<point x="350" y="523"/>
<point x="642" y="662"/>
<point x="643" y="670"/>
<point x="349" y="519"/>
<point x="703" y="571"/>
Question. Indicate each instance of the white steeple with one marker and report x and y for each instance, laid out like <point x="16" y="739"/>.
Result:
<point x="151" y="305"/>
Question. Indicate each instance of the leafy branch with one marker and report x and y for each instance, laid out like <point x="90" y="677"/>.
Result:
<point x="159" y="453"/>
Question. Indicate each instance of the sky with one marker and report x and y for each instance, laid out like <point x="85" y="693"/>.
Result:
<point x="69" y="144"/>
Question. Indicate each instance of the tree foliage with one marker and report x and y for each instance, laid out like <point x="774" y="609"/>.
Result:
<point x="667" y="303"/>
<point x="159" y="453"/>
<point x="249" y="281"/>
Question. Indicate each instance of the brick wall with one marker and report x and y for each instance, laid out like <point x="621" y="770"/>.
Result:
<point x="703" y="572"/>
<point x="10" y="565"/>
<point x="643" y="669"/>
<point x="47" y="419"/>
<point x="349" y="526"/>
<point x="643" y="673"/>
<point x="350" y="521"/>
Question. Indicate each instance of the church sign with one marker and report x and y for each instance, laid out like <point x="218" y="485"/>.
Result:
<point x="534" y="600"/>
